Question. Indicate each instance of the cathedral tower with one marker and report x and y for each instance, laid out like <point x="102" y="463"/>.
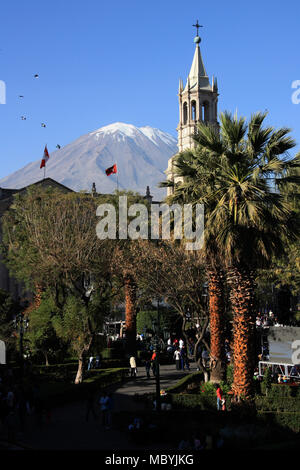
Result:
<point x="198" y="102"/>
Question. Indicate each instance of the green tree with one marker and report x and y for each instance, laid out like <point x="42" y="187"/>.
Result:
<point x="77" y="324"/>
<point x="50" y="241"/>
<point x="166" y="271"/>
<point x="41" y="335"/>
<point x="8" y="309"/>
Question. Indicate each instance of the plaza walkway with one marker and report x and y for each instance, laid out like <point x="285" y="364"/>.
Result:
<point x="68" y="428"/>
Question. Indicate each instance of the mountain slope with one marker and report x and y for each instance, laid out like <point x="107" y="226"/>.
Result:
<point x="141" y="155"/>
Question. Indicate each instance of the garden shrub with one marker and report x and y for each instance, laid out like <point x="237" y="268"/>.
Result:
<point x="55" y="394"/>
<point x="229" y="375"/>
<point x="182" y="384"/>
<point x="266" y="383"/>
<point x="111" y="353"/>
<point x="284" y="390"/>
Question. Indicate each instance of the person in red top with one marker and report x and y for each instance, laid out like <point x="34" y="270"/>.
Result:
<point x="153" y="362"/>
<point x="219" y="393"/>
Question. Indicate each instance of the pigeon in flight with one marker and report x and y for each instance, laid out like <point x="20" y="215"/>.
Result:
<point x="21" y="96"/>
<point x="58" y="146"/>
<point x="23" y="118"/>
<point x="43" y="125"/>
<point x="36" y="76"/>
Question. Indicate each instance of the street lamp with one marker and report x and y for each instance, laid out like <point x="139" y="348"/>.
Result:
<point x="156" y="329"/>
<point x="21" y="325"/>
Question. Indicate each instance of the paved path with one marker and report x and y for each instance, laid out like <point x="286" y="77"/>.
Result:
<point x="68" y="428"/>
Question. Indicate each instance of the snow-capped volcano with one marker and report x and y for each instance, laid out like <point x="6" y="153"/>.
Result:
<point x="141" y="155"/>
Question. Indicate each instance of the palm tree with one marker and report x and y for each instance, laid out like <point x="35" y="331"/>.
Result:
<point x="198" y="168"/>
<point x="247" y="218"/>
<point x="130" y="288"/>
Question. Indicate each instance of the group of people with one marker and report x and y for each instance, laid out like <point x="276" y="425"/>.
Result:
<point x="94" y="362"/>
<point x="178" y="350"/>
<point x="105" y="405"/>
<point x="266" y="319"/>
<point x="221" y="401"/>
<point x="20" y="404"/>
<point x="150" y="364"/>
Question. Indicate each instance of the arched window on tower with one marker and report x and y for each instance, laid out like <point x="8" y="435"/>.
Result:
<point x="205" y="111"/>
<point x="185" y="112"/>
<point x="194" y="110"/>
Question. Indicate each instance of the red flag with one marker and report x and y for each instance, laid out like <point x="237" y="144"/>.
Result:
<point x="45" y="157"/>
<point x="111" y="170"/>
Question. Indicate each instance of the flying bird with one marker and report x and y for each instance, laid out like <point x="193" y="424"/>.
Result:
<point x="21" y="96"/>
<point x="23" y="118"/>
<point x="36" y="76"/>
<point x="58" y="146"/>
<point x="43" y="125"/>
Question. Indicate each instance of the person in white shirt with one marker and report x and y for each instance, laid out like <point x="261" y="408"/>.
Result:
<point x="181" y="343"/>
<point x="177" y="358"/>
<point x="132" y="362"/>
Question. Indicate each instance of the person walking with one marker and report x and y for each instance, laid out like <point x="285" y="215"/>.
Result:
<point x="91" y="359"/>
<point x="148" y="367"/>
<point x="104" y="402"/>
<point x="132" y="362"/>
<point x="153" y="362"/>
<point x="177" y="358"/>
<point x="182" y="358"/>
<point x="97" y="364"/>
<point x="110" y="407"/>
<point x="219" y="393"/>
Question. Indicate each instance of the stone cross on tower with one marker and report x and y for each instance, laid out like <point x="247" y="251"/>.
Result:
<point x="197" y="25"/>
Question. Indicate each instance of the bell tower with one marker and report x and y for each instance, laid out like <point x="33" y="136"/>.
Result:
<point x="198" y="102"/>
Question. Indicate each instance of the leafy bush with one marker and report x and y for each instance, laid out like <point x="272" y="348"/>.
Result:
<point x="266" y="382"/>
<point x="182" y="384"/>
<point x="229" y="375"/>
<point x="286" y="420"/>
<point x="284" y="390"/>
<point x="111" y="353"/>
<point x="55" y="394"/>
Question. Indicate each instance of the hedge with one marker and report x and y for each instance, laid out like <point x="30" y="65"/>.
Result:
<point x="284" y="390"/>
<point x="277" y="404"/>
<point x="196" y="401"/>
<point x="288" y="420"/>
<point x="55" y="394"/>
<point x="182" y="384"/>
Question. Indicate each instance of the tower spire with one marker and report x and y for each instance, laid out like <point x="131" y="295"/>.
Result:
<point x="197" y="75"/>
<point x="198" y="102"/>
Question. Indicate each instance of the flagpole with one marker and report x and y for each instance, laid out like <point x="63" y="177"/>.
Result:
<point x="117" y="175"/>
<point x="45" y="166"/>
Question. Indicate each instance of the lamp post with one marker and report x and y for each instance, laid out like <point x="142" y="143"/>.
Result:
<point x="156" y="328"/>
<point x="21" y="325"/>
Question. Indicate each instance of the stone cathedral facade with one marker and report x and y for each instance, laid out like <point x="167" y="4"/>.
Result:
<point x="198" y="102"/>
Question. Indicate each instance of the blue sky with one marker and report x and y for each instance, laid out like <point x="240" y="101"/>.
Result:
<point x="100" y="62"/>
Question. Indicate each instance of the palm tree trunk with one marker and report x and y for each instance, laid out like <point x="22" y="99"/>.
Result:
<point x="217" y="324"/>
<point x="242" y="299"/>
<point x="130" y="313"/>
